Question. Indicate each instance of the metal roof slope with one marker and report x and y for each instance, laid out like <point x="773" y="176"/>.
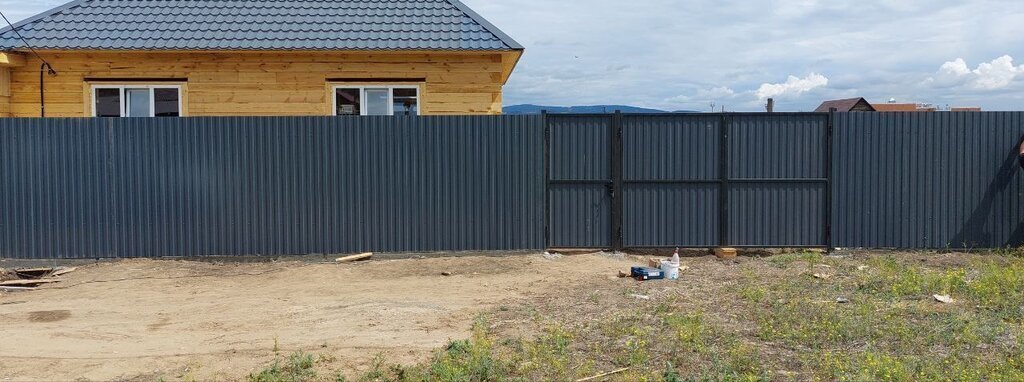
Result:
<point x="847" y="104"/>
<point x="259" y="25"/>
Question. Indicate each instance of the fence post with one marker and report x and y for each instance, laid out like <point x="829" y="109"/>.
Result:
<point x="111" y="220"/>
<point x="547" y="178"/>
<point x="829" y="127"/>
<point x="723" y="182"/>
<point x="616" y="173"/>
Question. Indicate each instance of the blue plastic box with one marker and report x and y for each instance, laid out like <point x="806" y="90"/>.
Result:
<point x="646" y="273"/>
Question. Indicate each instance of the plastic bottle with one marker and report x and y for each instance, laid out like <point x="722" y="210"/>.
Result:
<point x="671" y="267"/>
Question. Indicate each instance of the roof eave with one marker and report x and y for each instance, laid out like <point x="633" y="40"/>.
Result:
<point x="47" y="13"/>
<point x="254" y="50"/>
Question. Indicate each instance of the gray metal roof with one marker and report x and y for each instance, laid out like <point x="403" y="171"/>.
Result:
<point x="259" y="25"/>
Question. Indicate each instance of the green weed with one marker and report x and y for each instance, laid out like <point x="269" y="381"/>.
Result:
<point x="296" y="368"/>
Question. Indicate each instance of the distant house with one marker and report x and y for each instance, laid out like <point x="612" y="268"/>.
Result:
<point x="860" y="104"/>
<point x="849" y="104"/>
<point x="144" y="58"/>
<point x="892" y="106"/>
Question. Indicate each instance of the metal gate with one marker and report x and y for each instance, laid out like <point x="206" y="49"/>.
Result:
<point x="688" y="180"/>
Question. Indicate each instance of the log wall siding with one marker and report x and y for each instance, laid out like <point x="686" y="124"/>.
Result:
<point x="5" y="92"/>
<point x="261" y="84"/>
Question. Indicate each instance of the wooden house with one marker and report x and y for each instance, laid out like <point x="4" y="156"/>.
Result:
<point x="127" y="58"/>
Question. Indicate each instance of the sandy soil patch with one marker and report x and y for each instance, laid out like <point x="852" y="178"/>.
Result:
<point x="141" y="319"/>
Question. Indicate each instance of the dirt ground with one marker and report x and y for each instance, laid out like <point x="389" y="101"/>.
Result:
<point x="546" y="318"/>
<point x="147" y="319"/>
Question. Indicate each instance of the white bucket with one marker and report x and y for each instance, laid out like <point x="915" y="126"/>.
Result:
<point x="670" y="270"/>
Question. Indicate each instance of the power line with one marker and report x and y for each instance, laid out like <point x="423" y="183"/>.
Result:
<point x="29" y="46"/>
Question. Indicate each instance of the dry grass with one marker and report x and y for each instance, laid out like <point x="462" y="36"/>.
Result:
<point x="755" y="319"/>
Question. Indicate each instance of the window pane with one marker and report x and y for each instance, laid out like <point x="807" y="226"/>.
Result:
<point x="108" y="102"/>
<point x="138" y="102"/>
<point x="377" y="101"/>
<point x="347" y="101"/>
<point x="166" y="102"/>
<point x="405" y="102"/>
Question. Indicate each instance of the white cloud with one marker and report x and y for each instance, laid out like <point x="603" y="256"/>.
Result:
<point x="718" y="92"/>
<point x="703" y="98"/>
<point x="793" y="86"/>
<point x="993" y="75"/>
<point x="704" y="95"/>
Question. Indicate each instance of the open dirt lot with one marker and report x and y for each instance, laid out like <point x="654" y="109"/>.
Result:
<point x="150" y="318"/>
<point x="797" y="316"/>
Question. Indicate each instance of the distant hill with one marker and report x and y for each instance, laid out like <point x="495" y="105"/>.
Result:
<point x="594" y="109"/>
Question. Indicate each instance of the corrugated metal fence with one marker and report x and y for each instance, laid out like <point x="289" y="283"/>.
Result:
<point x="928" y="180"/>
<point x="86" y="188"/>
<point x="82" y="188"/>
<point x="699" y="180"/>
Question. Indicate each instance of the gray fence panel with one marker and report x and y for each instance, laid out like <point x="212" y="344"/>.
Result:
<point x="580" y="147"/>
<point x="782" y="146"/>
<point x="53" y="199"/>
<point x="580" y="216"/>
<point x="776" y="214"/>
<point x="659" y="152"/>
<point x="777" y="191"/>
<point x="670" y="147"/>
<point x="667" y="215"/>
<point x="580" y="150"/>
<point x="928" y="180"/>
<point x="85" y="188"/>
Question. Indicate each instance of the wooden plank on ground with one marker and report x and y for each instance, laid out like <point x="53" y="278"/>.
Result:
<point x="28" y="282"/>
<point x="61" y="271"/>
<point x="360" y="256"/>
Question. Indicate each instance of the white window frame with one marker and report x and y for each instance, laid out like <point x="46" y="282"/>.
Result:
<point x="362" y="97"/>
<point x="123" y="100"/>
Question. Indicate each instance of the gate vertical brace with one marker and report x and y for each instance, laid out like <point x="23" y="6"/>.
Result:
<point x="829" y="128"/>
<point x="547" y="178"/>
<point x="111" y="218"/>
<point x="723" y="181"/>
<point x="616" y="172"/>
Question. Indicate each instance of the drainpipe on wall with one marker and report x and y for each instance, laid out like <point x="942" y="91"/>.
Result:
<point x="44" y="69"/>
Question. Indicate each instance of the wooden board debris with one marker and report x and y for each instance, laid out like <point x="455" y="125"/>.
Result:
<point x="28" y="282"/>
<point x="725" y="253"/>
<point x="602" y="375"/>
<point x="33" y="273"/>
<point x="361" y="256"/>
<point x="61" y="271"/>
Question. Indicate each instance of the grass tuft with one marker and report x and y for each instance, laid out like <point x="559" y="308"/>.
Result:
<point x="296" y="368"/>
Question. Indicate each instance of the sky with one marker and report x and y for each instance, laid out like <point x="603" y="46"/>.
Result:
<point x="690" y="54"/>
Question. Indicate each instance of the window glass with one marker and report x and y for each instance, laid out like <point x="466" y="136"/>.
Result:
<point x="347" y="101"/>
<point x="377" y="101"/>
<point x="166" y="102"/>
<point x="108" y="102"/>
<point x="138" y="102"/>
<point x="405" y="102"/>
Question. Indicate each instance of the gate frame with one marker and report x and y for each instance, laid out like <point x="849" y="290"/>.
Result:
<point x="616" y="184"/>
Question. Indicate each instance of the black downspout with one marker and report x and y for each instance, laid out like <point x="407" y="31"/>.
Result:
<point x="44" y="68"/>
